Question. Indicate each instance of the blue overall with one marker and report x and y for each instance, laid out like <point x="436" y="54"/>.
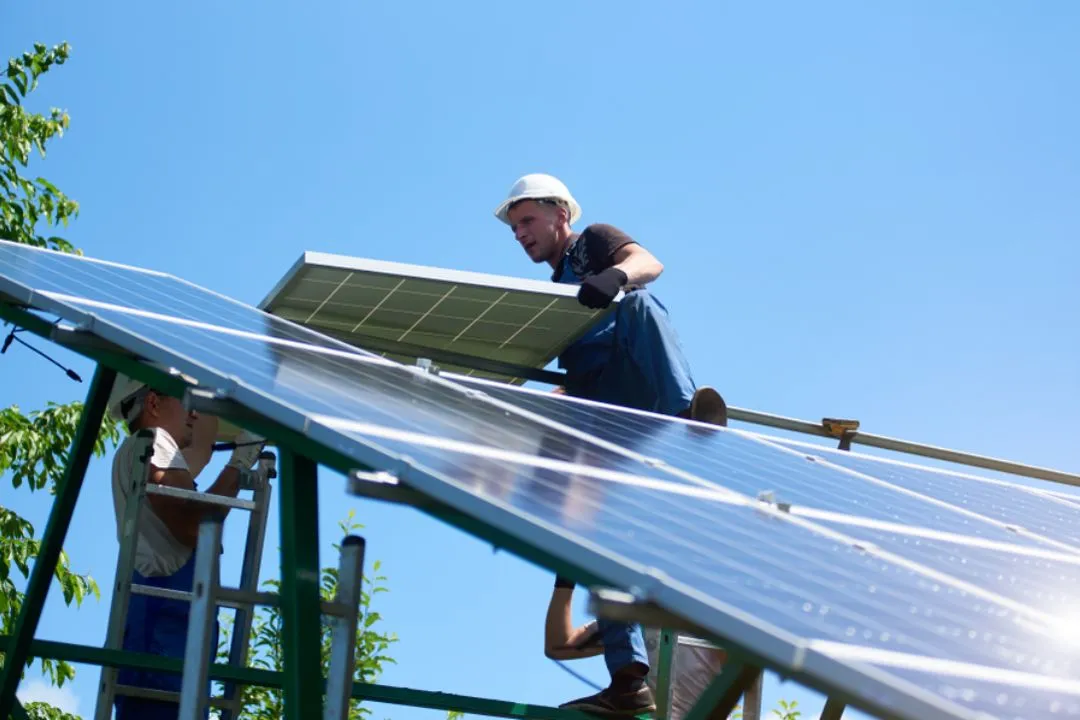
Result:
<point x="159" y="627"/>
<point x="632" y="358"/>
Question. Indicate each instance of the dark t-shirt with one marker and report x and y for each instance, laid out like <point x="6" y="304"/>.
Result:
<point x="591" y="252"/>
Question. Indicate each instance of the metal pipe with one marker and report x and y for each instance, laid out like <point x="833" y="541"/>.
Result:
<point x="904" y="446"/>
<point x="339" y="676"/>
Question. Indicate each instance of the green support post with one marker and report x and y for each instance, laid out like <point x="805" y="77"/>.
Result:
<point x="665" y="654"/>
<point x="67" y="493"/>
<point x="300" y="600"/>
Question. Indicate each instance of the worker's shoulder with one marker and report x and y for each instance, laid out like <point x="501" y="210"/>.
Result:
<point x="604" y="230"/>
<point x="157" y="444"/>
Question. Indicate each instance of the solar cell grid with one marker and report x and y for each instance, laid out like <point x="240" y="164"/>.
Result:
<point x="1054" y="517"/>
<point x="753" y="574"/>
<point x="525" y="323"/>
<point x="94" y="285"/>
<point x="726" y="459"/>
<point x="632" y="521"/>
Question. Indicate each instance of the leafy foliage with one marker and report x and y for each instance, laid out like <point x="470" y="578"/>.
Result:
<point x="27" y="202"/>
<point x="267" y="651"/>
<point x="33" y="452"/>
<point x="34" y="447"/>
<point x="44" y="711"/>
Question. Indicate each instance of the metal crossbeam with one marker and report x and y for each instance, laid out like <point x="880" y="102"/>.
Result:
<point x="370" y="692"/>
<point x="67" y="493"/>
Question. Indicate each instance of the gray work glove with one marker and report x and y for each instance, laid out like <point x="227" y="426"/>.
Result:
<point x="244" y="455"/>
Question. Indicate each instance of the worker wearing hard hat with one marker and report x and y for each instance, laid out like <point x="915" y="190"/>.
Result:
<point x="177" y="444"/>
<point x="631" y="358"/>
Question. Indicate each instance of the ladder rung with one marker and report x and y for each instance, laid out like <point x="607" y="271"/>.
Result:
<point x="234" y="598"/>
<point x="162" y="695"/>
<point x="195" y="496"/>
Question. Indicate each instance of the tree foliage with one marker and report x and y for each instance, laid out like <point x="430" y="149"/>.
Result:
<point x="267" y="651"/>
<point x="26" y="204"/>
<point x="34" y="447"/>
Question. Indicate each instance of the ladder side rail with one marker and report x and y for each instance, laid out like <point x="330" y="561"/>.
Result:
<point x="343" y="629"/>
<point x="125" y="567"/>
<point x="195" y="686"/>
<point x="249" y="583"/>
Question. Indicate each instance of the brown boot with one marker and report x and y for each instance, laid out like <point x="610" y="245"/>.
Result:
<point x="707" y="407"/>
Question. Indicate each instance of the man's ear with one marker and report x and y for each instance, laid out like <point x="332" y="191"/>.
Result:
<point x="152" y="404"/>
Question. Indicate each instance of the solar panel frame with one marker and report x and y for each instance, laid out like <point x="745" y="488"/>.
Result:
<point x="384" y="284"/>
<point x="815" y="668"/>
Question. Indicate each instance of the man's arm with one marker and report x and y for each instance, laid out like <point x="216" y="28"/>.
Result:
<point x="640" y="265"/>
<point x="561" y="638"/>
<point x="617" y="261"/>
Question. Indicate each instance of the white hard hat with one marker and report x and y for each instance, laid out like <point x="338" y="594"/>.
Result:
<point x="125" y="400"/>
<point x="538" y="186"/>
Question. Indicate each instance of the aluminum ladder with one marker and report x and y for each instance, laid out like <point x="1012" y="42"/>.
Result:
<point x="209" y="595"/>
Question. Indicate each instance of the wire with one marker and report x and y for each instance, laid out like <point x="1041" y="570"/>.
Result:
<point x="11" y="336"/>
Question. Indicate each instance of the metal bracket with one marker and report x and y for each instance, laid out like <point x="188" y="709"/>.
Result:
<point x="428" y="366"/>
<point x="841" y="428"/>
<point x="385" y="486"/>
<point x="768" y="497"/>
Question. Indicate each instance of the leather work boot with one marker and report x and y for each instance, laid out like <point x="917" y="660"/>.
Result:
<point x="707" y="406"/>
<point x="609" y="702"/>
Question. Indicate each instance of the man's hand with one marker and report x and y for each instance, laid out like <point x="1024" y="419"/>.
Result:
<point x="246" y="452"/>
<point x="598" y="291"/>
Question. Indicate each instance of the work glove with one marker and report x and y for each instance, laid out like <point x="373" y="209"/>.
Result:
<point x="597" y="291"/>
<point x="562" y="582"/>
<point x="246" y="452"/>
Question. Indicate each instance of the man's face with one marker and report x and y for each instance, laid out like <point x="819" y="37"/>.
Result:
<point x="535" y="225"/>
<point x="168" y="413"/>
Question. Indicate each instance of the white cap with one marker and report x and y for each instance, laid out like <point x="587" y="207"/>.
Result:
<point x="538" y="186"/>
<point x="125" y="400"/>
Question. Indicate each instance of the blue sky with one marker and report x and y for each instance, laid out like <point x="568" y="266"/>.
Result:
<point x="864" y="209"/>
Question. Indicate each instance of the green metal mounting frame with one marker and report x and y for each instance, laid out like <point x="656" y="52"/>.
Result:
<point x="301" y="679"/>
<point x="298" y="504"/>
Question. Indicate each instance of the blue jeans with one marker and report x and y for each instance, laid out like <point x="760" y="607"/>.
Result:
<point x="639" y="365"/>
<point x="159" y="627"/>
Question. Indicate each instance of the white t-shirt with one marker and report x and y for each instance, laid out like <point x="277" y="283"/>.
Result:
<point x="157" y="553"/>
<point x="692" y="670"/>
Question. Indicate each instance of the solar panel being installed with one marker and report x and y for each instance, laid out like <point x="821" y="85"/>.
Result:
<point x="771" y="581"/>
<point x="387" y="307"/>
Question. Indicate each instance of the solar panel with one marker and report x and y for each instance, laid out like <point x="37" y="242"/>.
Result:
<point x="803" y="593"/>
<point x="730" y="460"/>
<point x="385" y="307"/>
<point x="1048" y="514"/>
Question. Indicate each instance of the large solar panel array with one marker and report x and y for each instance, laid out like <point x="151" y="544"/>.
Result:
<point x="386" y="306"/>
<point x="864" y="578"/>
